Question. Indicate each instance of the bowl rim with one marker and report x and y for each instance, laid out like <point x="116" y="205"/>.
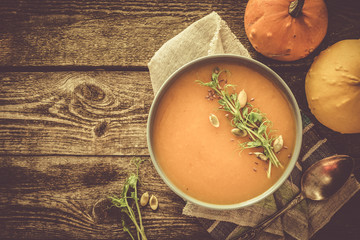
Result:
<point x="264" y="70"/>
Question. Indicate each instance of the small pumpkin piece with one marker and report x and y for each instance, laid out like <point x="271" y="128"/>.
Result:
<point x="144" y="199"/>
<point x="153" y="202"/>
<point x="285" y="30"/>
<point x="332" y="86"/>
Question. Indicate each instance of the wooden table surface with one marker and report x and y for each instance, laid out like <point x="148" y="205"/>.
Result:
<point x="74" y="100"/>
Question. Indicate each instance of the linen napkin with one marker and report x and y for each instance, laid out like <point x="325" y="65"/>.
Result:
<point x="211" y="35"/>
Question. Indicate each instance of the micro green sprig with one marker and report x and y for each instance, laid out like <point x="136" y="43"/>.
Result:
<point x="249" y="120"/>
<point x="128" y="202"/>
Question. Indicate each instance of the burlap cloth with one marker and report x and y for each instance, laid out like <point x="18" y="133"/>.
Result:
<point x="211" y="35"/>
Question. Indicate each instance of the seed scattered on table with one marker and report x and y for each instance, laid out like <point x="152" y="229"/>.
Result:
<point x="154" y="202"/>
<point x="144" y="199"/>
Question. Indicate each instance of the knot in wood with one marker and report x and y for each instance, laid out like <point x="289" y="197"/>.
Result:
<point x="90" y="92"/>
<point x="100" y="128"/>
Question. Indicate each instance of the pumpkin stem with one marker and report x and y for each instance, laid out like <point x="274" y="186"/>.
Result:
<point x="295" y="7"/>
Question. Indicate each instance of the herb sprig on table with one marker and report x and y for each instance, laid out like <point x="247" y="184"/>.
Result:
<point x="128" y="202"/>
<point x="246" y="120"/>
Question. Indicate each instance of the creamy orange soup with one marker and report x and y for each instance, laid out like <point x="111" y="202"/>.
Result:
<point x="206" y="162"/>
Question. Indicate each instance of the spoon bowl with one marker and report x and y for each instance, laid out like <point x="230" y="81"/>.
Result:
<point x="326" y="177"/>
<point x="320" y="181"/>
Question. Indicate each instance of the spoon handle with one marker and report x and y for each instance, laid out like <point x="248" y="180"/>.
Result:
<point x="253" y="232"/>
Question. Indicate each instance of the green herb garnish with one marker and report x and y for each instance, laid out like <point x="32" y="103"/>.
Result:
<point x="247" y="119"/>
<point x="128" y="201"/>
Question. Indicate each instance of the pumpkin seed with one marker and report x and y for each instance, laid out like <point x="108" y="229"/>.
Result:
<point x="238" y="132"/>
<point x="242" y="98"/>
<point x="214" y="120"/>
<point x="261" y="156"/>
<point x="154" y="202"/>
<point x="278" y="144"/>
<point x="144" y="199"/>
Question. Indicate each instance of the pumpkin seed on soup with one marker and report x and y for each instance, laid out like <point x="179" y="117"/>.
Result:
<point x="214" y="120"/>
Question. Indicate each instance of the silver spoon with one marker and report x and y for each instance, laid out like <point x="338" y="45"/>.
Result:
<point x="320" y="181"/>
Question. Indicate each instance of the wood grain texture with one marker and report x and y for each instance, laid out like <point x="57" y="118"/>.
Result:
<point x="67" y="132"/>
<point x="66" y="198"/>
<point x="128" y="33"/>
<point x="98" y="113"/>
<point x="76" y="113"/>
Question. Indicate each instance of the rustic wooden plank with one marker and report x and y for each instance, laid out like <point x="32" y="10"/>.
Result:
<point x="50" y="115"/>
<point x="128" y="33"/>
<point x="66" y="198"/>
<point x="97" y="113"/>
<point x="76" y="113"/>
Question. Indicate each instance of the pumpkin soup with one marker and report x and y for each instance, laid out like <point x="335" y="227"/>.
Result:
<point x="207" y="159"/>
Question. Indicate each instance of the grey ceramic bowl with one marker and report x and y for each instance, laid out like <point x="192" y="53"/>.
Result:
<point x="259" y="67"/>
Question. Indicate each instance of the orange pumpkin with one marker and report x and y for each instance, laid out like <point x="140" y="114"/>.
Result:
<point x="286" y="30"/>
